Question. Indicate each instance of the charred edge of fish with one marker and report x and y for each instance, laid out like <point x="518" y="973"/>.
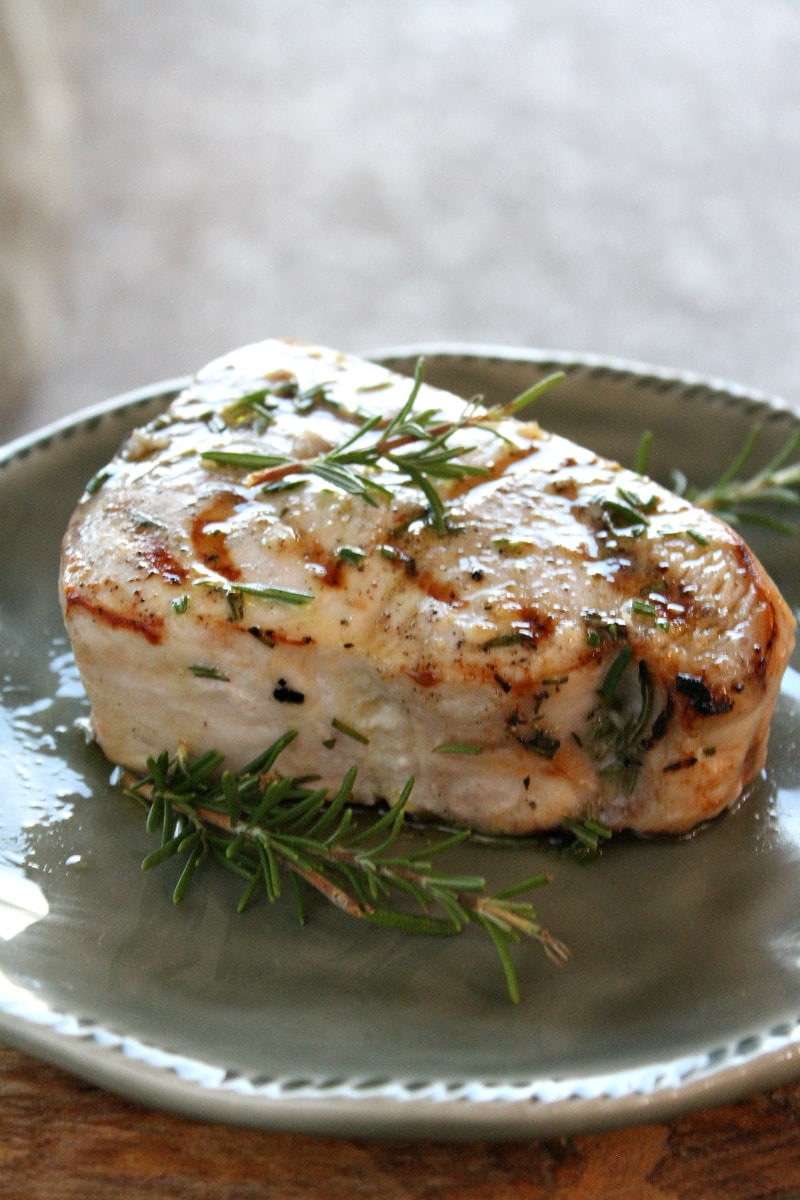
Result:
<point x="540" y="742"/>
<point x="700" y="696"/>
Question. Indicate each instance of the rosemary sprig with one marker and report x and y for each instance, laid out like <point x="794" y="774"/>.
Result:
<point x="417" y="446"/>
<point x="263" y="826"/>
<point x="618" y="723"/>
<point x="747" y="499"/>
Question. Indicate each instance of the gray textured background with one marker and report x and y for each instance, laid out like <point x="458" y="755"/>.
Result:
<point x="615" y="177"/>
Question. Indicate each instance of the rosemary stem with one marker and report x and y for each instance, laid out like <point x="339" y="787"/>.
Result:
<point x="329" y="890"/>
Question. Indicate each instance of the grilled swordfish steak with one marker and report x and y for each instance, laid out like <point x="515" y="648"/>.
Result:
<point x="557" y="638"/>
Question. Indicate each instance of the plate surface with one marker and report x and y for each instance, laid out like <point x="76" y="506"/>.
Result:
<point x="683" y="989"/>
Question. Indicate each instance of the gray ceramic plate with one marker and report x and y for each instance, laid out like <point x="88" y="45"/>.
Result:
<point x="684" y="985"/>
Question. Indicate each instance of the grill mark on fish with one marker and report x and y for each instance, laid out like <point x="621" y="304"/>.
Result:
<point x="150" y="625"/>
<point x="210" y="545"/>
<point x="156" y="558"/>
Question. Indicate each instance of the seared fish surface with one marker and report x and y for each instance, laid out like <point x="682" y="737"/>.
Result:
<point x="576" y="641"/>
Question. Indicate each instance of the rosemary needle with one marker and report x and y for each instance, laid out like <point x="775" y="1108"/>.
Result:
<point x="264" y="826"/>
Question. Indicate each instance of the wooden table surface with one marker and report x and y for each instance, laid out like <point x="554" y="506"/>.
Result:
<point x="62" y="1138"/>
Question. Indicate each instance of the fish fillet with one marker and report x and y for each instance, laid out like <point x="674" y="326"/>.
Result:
<point x="578" y="642"/>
